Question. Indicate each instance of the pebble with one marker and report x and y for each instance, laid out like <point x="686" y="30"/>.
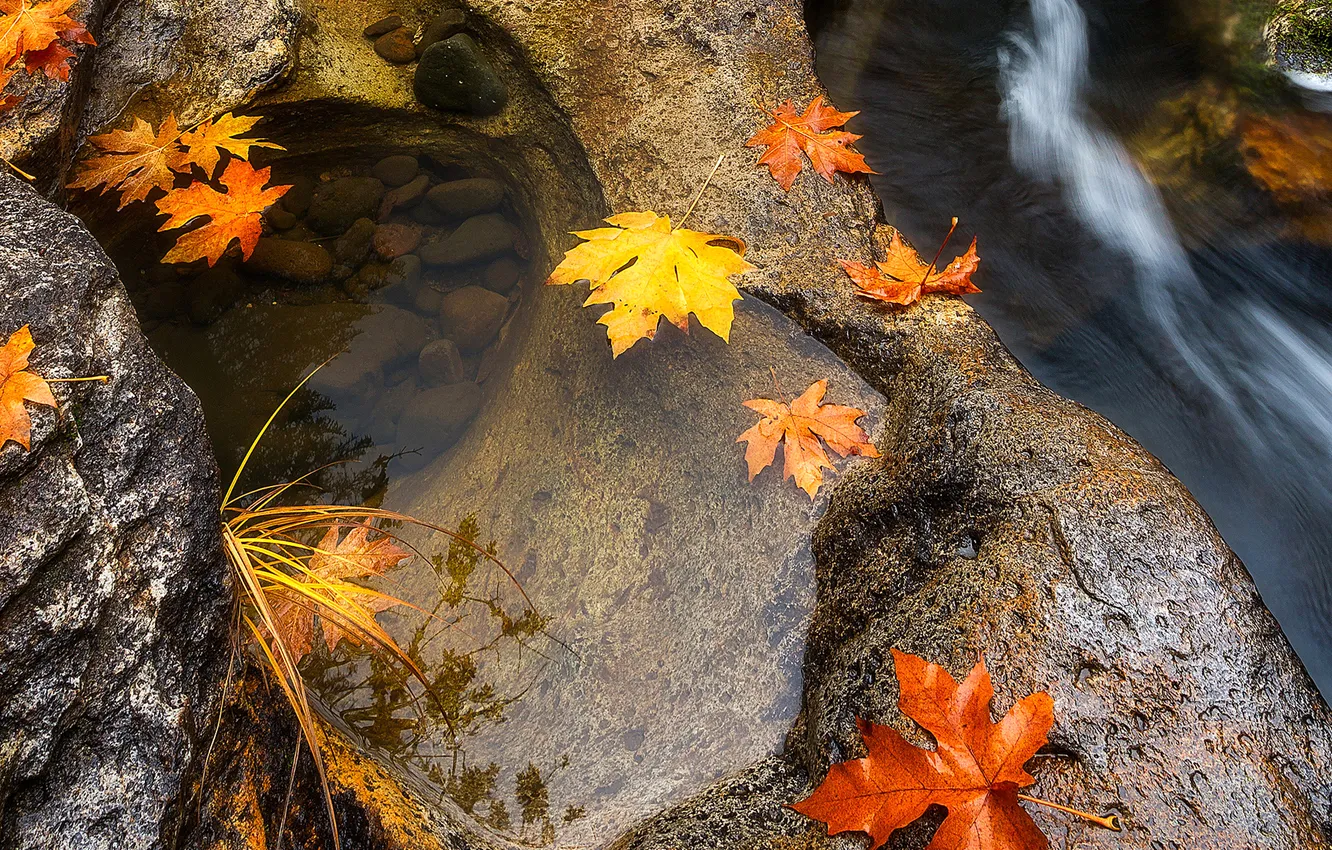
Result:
<point x="471" y="317"/>
<point x="446" y="24"/>
<point x="279" y="218"/>
<point x="388" y="410"/>
<point x="298" y="262"/>
<point x="213" y="292"/>
<point x="455" y="76"/>
<point x="389" y="337"/>
<point x="435" y="419"/>
<point x="383" y="26"/>
<point x="478" y="238"/>
<point x="405" y="196"/>
<point x="397" y="170"/>
<point x="374" y="275"/>
<point x="427" y="300"/>
<point x="426" y="214"/>
<point x="502" y="275"/>
<point x="391" y="241"/>
<point x="338" y="203"/>
<point x="396" y="46"/>
<point x="441" y="363"/>
<point x="352" y="247"/>
<point x="405" y="272"/>
<point x="464" y="198"/>
<point x="298" y="197"/>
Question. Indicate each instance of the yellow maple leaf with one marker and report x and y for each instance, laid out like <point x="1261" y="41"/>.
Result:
<point x="234" y="214"/>
<point x="645" y="270"/>
<point x="18" y="385"/>
<point x="135" y="161"/>
<point x="204" y="141"/>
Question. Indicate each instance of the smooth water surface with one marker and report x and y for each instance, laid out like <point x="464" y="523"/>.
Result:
<point x="1153" y="219"/>
<point x="645" y="631"/>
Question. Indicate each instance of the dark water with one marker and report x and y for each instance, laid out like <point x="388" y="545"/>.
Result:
<point x="1137" y="254"/>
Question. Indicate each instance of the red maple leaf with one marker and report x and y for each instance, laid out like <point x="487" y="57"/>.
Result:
<point x="975" y="771"/>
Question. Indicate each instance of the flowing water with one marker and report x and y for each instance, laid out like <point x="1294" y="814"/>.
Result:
<point x="1152" y="204"/>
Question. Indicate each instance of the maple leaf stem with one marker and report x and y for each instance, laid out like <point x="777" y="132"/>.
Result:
<point x="699" y="196"/>
<point x="101" y="378"/>
<point x="1110" y="822"/>
<point x="929" y="271"/>
<point x="19" y="171"/>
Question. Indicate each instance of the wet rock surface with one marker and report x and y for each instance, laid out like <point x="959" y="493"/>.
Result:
<point x="1299" y="38"/>
<point x="114" y="607"/>
<point x="1094" y="575"/>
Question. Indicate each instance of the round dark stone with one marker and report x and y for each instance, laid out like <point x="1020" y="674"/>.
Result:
<point x="455" y="76"/>
<point x="464" y="198"/>
<point x="339" y="203"/>
<point x="298" y="262"/>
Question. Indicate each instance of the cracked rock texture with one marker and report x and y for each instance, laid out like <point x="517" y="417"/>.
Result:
<point x="113" y="606"/>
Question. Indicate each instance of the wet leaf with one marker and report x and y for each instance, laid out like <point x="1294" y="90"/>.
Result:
<point x="799" y="428"/>
<point x="134" y="162"/>
<point x="204" y="142"/>
<point x="646" y="270"/>
<point x="18" y="385"/>
<point x="29" y="26"/>
<point x="902" y="277"/>
<point x="234" y="214"/>
<point x="790" y="134"/>
<point x="327" y="591"/>
<point x="975" y="770"/>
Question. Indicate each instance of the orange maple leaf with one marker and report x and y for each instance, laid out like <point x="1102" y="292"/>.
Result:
<point x="799" y="427"/>
<point x="135" y="161"/>
<point x="333" y="561"/>
<point x="975" y="771"/>
<point x="902" y="278"/>
<point x="204" y="142"/>
<point x="18" y="385"/>
<point x="28" y="26"/>
<point x="235" y="214"/>
<point x="829" y="150"/>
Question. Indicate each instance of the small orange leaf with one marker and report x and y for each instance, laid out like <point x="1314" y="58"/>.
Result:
<point x="18" y="385"/>
<point x="799" y="428"/>
<point x="29" y="26"/>
<point x="829" y="150"/>
<point x="902" y="278"/>
<point x="975" y="770"/>
<point x="235" y="214"/>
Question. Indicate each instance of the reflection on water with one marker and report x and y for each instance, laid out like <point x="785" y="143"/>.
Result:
<point x="1155" y="201"/>
<point x="653" y="638"/>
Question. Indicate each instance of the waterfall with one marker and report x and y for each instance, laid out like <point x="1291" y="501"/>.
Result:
<point x="1269" y="371"/>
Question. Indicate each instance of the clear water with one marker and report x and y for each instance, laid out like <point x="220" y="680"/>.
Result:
<point x="1133" y="257"/>
<point x="673" y="594"/>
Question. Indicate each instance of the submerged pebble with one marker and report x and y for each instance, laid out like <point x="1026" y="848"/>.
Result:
<point x="471" y="317"/>
<point x="397" y="170"/>
<point x="434" y="420"/>
<point x="441" y="363"/>
<point x="352" y="247"/>
<point x="478" y="238"/>
<point x="338" y="203"/>
<point x="298" y="262"/>
<point x="465" y="198"/>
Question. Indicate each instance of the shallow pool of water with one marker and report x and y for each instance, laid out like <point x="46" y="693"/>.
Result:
<point x="653" y="638"/>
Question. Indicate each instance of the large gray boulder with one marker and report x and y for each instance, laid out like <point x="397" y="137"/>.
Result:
<point x="113" y="595"/>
